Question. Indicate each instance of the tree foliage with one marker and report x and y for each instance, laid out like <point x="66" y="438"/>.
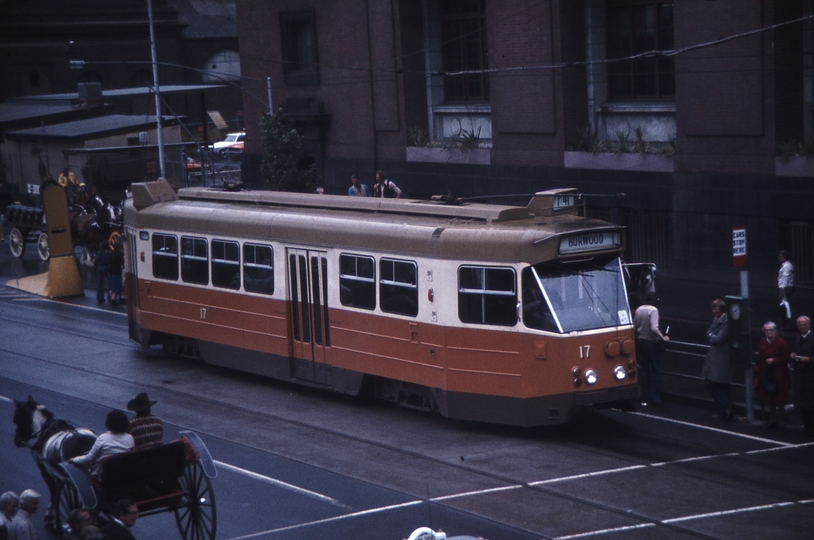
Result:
<point x="284" y="165"/>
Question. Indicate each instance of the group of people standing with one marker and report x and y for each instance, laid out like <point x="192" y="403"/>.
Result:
<point x="383" y="187"/>
<point x="774" y="356"/>
<point x="15" y="515"/>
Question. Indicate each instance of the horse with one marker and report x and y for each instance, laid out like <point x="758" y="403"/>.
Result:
<point x="93" y="221"/>
<point x="50" y="440"/>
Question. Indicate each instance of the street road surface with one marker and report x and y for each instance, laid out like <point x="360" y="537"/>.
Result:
<point x="297" y="463"/>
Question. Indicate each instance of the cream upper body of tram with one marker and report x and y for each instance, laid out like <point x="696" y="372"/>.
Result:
<point x="504" y="314"/>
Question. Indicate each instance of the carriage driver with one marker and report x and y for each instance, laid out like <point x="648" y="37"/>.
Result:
<point x="146" y="429"/>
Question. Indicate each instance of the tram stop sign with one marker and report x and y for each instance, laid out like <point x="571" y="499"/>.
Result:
<point x="739" y="246"/>
<point x="740" y="342"/>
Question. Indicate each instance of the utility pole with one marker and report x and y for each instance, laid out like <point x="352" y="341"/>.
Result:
<point x="158" y="119"/>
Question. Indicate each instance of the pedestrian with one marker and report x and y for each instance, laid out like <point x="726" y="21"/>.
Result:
<point x="68" y="179"/>
<point x="125" y="516"/>
<point x="80" y="523"/>
<point x="771" y="380"/>
<point x="717" y="371"/>
<point x="802" y="353"/>
<point x="9" y="503"/>
<point x="357" y="189"/>
<point x="115" y="440"/>
<point x="785" y="285"/>
<point x="115" y="266"/>
<point x="100" y="263"/>
<point x="649" y="344"/>
<point x="385" y="188"/>
<point x="22" y="528"/>
<point x="146" y="429"/>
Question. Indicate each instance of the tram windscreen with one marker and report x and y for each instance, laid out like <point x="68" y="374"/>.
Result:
<point x="568" y="297"/>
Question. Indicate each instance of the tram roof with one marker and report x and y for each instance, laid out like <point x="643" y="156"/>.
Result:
<point x="484" y="231"/>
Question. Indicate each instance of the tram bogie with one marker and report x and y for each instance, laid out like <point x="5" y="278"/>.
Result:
<point x="502" y="314"/>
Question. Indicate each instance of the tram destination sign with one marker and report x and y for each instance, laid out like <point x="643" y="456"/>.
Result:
<point x="595" y="241"/>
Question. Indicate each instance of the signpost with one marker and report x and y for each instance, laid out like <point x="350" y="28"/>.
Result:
<point x="740" y="352"/>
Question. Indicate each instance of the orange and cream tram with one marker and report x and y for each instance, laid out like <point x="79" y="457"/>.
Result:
<point x="504" y="314"/>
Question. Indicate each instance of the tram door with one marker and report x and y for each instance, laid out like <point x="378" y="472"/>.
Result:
<point x="310" y="329"/>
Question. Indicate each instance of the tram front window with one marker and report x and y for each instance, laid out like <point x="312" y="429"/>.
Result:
<point x="560" y="297"/>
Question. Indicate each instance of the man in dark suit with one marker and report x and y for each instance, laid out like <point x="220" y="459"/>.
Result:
<point x="802" y="355"/>
<point x="126" y="516"/>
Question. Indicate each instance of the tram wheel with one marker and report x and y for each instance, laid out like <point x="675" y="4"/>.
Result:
<point x="16" y="240"/>
<point x="195" y="514"/>
<point x="44" y="246"/>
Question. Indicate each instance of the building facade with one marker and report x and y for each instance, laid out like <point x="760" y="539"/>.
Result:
<point x="700" y="111"/>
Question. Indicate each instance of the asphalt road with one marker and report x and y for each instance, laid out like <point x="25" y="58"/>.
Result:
<point x="297" y="463"/>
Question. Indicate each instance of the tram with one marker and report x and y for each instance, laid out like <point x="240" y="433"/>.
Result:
<point x="514" y="315"/>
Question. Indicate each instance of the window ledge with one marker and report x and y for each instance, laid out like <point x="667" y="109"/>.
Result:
<point x="476" y="108"/>
<point x="475" y="156"/>
<point x="619" y="162"/>
<point x="795" y="166"/>
<point x="640" y="108"/>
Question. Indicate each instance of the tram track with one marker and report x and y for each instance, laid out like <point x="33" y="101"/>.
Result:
<point x="395" y="452"/>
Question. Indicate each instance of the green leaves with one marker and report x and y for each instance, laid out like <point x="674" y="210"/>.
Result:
<point x="285" y="166"/>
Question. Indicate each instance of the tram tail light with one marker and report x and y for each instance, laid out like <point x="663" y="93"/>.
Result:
<point x="577" y="373"/>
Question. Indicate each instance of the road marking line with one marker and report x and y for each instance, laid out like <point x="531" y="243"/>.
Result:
<point x="478" y="492"/>
<point x="329" y="520"/>
<point x="709" y="428"/>
<point x="587" y="475"/>
<point x="279" y="483"/>
<point x="605" y="531"/>
<point x="728" y="512"/>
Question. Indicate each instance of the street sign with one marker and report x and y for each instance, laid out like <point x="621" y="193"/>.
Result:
<point x="739" y="246"/>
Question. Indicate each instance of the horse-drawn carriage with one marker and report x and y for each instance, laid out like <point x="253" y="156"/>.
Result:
<point x="93" y="221"/>
<point x="173" y="477"/>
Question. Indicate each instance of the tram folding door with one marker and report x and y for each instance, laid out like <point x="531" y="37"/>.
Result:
<point x="309" y="326"/>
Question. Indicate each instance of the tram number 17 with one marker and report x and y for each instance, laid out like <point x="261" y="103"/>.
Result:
<point x="584" y="351"/>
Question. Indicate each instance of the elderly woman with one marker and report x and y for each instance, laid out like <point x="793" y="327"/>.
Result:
<point x="772" y="373"/>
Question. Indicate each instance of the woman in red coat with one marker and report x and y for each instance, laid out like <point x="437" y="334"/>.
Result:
<point x="772" y="373"/>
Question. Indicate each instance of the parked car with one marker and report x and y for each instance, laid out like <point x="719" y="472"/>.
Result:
<point x="232" y="140"/>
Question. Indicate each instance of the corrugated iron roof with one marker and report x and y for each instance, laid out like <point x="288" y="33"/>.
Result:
<point x="93" y="127"/>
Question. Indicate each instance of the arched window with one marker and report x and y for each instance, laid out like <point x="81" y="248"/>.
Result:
<point x="224" y="65"/>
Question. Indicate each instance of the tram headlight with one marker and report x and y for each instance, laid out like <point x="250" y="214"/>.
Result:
<point x="620" y="373"/>
<point x="591" y="377"/>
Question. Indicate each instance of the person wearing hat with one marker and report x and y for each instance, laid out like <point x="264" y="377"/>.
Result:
<point x="146" y="429"/>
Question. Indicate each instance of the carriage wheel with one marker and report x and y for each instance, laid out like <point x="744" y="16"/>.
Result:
<point x="16" y="240"/>
<point x="115" y="236"/>
<point x="68" y="501"/>
<point x="44" y="246"/>
<point x="195" y="514"/>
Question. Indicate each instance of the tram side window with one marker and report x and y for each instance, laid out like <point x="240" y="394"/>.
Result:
<point x="165" y="256"/>
<point x="398" y="289"/>
<point x="258" y="268"/>
<point x="487" y="295"/>
<point x="357" y="281"/>
<point x="194" y="261"/>
<point x="225" y="264"/>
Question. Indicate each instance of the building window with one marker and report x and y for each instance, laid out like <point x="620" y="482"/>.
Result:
<point x="258" y="268"/>
<point x="225" y="264"/>
<point x="398" y="288"/>
<point x="194" y="260"/>
<point x="635" y="27"/>
<point x="165" y="256"/>
<point x="487" y="295"/>
<point x="648" y="238"/>
<point x="298" y="32"/>
<point x="463" y="35"/>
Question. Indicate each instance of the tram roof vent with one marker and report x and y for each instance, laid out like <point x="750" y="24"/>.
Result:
<point x="146" y="194"/>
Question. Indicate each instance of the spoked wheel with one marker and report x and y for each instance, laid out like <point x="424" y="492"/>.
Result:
<point x="195" y="514"/>
<point x="16" y="240"/>
<point x="68" y="501"/>
<point x="44" y="246"/>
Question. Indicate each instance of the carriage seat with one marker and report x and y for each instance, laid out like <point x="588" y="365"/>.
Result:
<point x="149" y="477"/>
